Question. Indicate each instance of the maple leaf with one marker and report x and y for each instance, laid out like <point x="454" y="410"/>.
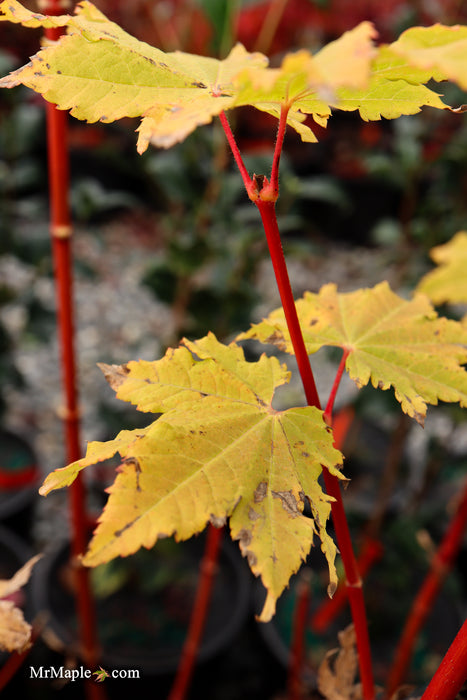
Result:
<point x="101" y="73"/>
<point x="448" y="282"/>
<point x="390" y="341"/>
<point x="219" y="450"/>
<point x="101" y="675"/>
<point x="439" y="49"/>
<point x="395" y="88"/>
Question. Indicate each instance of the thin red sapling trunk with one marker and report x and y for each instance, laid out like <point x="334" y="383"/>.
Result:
<point x="60" y="227"/>
<point x="264" y="194"/>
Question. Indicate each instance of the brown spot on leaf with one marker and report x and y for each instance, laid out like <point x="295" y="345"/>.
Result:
<point x="260" y="492"/>
<point x="133" y="462"/>
<point x="217" y="521"/>
<point x="289" y="503"/>
<point x="252" y="560"/>
<point x="114" y="374"/>
<point x="253" y="515"/>
<point x="244" y="537"/>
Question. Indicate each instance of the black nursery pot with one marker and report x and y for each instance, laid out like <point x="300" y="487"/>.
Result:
<point x="19" y="482"/>
<point x="142" y="624"/>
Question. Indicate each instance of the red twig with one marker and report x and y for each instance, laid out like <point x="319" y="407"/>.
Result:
<point x="452" y="671"/>
<point x="198" y="616"/>
<point x="247" y="181"/>
<point x="60" y="227"/>
<point x="441" y="564"/>
<point x="274" y="181"/>
<point x="297" y="651"/>
<point x="332" y="396"/>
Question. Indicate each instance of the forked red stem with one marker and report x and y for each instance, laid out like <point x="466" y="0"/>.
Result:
<point x="264" y="200"/>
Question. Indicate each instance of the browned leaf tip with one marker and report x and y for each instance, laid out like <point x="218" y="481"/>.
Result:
<point x="114" y="374"/>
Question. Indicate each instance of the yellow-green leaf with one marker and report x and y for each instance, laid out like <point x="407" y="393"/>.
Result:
<point x="219" y="450"/>
<point x="13" y="11"/>
<point x="448" y="282"/>
<point x="101" y="73"/>
<point x="395" y="88"/>
<point x="306" y="82"/>
<point x="440" y="49"/>
<point x="390" y="341"/>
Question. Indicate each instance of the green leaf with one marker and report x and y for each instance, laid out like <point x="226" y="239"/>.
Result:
<point x="448" y="282"/>
<point x="390" y="341"/>
<point x="219" y="450"/>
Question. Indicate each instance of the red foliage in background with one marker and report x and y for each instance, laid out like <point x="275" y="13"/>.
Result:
<point x="306" y="22"/>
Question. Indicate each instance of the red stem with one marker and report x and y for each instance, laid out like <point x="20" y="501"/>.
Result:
<point x="274" y="182"/>
<point x="247" y="181"/>
<point x="452" y="671"/>
<point x="302" y="605"/>
<point x="441" y="564"/>
<point x="330" y="609"/>
<point x="60" y="226"/>
<point x="208" y="569"/>
<point x="268" y="216"/>
<point x="267" y="211"/>
<point x="344" y="542"/>
<point x="332" y="396"/>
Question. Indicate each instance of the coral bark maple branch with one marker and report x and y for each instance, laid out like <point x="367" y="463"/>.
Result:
<point x="60" y="226"/>
<point x="267" y="210"/>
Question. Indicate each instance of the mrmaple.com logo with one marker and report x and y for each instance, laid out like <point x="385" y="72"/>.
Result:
<point x="75" y="674"/>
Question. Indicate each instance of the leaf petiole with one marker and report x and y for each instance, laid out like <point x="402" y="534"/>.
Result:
<point x="332" y="396"/>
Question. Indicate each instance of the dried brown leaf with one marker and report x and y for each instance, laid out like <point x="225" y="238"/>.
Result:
<point x="9" y="586"/>
<point x="337" y="672"/>
<point x="15" y="632"/>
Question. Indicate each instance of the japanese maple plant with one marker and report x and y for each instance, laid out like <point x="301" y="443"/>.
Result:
<point x="217" y="450"/>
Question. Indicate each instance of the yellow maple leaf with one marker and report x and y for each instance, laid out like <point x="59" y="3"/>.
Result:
<point x="448" y="282"/>
<point x="390" y="341"/>
<point x="219" y="451"/>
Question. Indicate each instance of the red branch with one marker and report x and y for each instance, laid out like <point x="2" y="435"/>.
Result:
<point x="198" y="617"/>
<point x="441" y="564"/>
<point x="266" y="207"/>
<point x="268" y="216"/>
<point x="452" y="671"/>
<point x="297" y="651"/>
<point x="60" y="226"/>
<point x="332" y="396"/>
